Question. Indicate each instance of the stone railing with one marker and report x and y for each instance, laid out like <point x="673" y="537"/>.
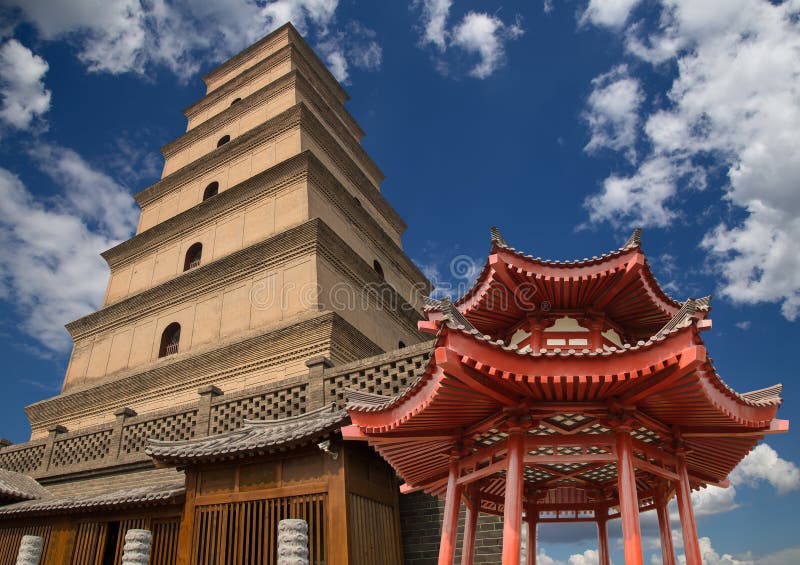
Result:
<point x="123" y="442"/>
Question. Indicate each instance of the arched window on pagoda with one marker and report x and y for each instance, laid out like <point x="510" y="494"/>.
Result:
<point x="170" y="340"/>
<point x="211" y="190"/>
<point x="378" y="268"/>
<point x="193" y="256"/>
<point x="401" y="344"/>
<point x="236" y="101"/>
<point x="223" y="140"/>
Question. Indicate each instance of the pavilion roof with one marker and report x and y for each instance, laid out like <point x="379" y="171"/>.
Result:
<point x="473" y="381"/>
<point x="620" y="284"/>
<point x="255" y="437"/>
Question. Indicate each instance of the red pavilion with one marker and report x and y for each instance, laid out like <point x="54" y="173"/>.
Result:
<point x="566" y="392"/>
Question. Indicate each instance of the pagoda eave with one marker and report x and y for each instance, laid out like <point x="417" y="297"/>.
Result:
<point x="512" y="286"/>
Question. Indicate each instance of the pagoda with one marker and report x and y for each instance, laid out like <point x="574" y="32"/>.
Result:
<point x="559" y="392"/>
<point x="266" y="274"/>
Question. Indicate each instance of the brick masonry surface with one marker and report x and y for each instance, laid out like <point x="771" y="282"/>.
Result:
<point x="421" y="525"/>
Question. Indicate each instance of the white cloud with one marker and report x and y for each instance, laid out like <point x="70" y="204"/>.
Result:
<point x="484" y="35"/>
<point x="337" y="64"/>
<point x="642" y="198"/>
<point x="734" y="106"/>
<point x="588" y="557"/>
<point x="744" y="325"/>
<point x="300" y="12"/>
<point x="357" y="46"/>
<point x="478" y="33"/>
<point x="764" y="464"/>
<point x="710" y="556"/>
<point x="781" y="557"/>
<point x="120" y="36"/>
<point x="21" y="85"/>
<point x="610" y="13"/>
<point x="612" y="112"/>
<point x="434" y="22"/>
<point x="51" y="268"/>
<point x="88" y="193"/>
<point x="547" y="6"/>
<point x="712" y="500"/>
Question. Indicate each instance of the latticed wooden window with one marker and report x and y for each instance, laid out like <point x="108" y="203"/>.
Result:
<point x="170" y="340"/>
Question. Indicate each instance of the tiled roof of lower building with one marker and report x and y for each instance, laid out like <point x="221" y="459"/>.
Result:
<point x="257" y="437"/>
<point x="152" y="495"/>
<point x="17" y="486"/>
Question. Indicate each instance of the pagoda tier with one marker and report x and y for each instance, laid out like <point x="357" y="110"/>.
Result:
<point x="572" y="434"/>
<point x="616" y="290"/>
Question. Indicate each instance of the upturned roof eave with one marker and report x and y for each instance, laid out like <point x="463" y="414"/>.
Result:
<point x="596" y="266"/>
<point x="253" y="438"/>
<point x="632" y="364"/>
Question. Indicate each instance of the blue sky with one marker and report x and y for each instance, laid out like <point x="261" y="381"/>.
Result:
<point x="566" y="123"/>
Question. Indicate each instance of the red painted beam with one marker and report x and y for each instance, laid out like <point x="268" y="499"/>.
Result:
<point x="775" y="427"/>
<point x="632" y="270"/>
<point x="451" y="363"/>
<point x="690" y="360"/>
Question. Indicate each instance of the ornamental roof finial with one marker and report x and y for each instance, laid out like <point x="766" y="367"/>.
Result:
<point x="635" y="240"/>
<point x="430" y="303"/>
<point x="497" y="238"/>
<point x="684" y="316"/>
<point x="454" y="316"/>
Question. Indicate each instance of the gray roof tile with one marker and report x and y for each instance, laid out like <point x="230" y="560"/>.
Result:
<point x="16" y="486"/>
<point x="255" y="437"/>
<point x="153" y="495"/>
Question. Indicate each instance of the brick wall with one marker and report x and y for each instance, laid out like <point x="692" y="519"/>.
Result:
<point x="421" y="525"/>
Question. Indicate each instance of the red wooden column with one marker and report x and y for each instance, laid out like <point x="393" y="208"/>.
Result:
<point x="536" y="328"/>
<point x="512" y="511"/>
<point x="628" y="500"/>
<point x="471" y="522"/>
<point x="667" y="551"/>
<point x="602" y="536"/>
<point x="691" y="547"/>
<point x="596" y="334"/>
<point x="531" y="516"/>
<point x="452" y="503"/>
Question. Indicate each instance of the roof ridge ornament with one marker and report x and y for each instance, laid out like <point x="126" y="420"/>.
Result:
<point x="497" y="237"/>
<point x="430" y="303"/>
<point x="328" y="408"/>
<point x="635" y="240"/>
<point x="683" y="317"/>
<point x="454" y="316"/>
